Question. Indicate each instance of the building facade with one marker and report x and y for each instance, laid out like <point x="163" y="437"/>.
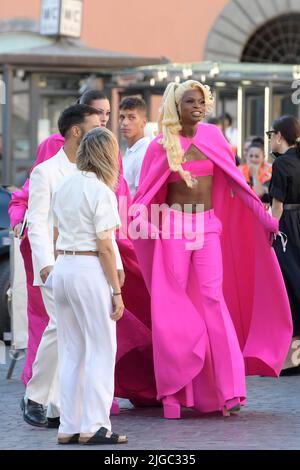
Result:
<point x="231" y="31"/>
<point x="183" y="32"/>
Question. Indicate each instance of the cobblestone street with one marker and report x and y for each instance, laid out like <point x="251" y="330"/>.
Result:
<point x="270" y="420"/>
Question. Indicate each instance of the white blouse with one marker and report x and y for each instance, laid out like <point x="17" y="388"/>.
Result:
<point x="83" y="206"/>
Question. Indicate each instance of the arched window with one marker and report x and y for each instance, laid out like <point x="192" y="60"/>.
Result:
<point x="277" y="41"/>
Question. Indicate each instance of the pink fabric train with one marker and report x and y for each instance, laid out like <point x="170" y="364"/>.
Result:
<point x="253" y="286"/>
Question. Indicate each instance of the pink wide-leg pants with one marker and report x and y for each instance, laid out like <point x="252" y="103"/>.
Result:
<point x="205" y="258"/>
<point x="37" y="315"/>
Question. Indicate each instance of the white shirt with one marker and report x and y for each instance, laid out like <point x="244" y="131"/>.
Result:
<point x="83" y="206"/>
<point x="132" y="163"/>
<point x="42" y="183"/>
<point x="232" y="135"/>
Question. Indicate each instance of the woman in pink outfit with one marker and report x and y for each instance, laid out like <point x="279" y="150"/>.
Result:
<point x="219" y="306"/>
<point x="37" y="315"/>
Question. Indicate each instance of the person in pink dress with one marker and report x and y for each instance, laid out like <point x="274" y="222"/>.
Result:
<point x="219" y="308"/>
<point x="36" y="312"/>
<point x="131" y="351"/>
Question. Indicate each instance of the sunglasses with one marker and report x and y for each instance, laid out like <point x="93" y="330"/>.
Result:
<point x="269" y="134"/>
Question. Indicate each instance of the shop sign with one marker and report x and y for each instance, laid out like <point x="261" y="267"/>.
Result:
<point x="61" y="18"/>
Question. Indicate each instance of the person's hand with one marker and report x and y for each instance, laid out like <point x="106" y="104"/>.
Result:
<point x="254" y="169"/>
<point x="44" y="273"/>
<point x="17" y="230"/>
<point x="121" y="276"/>
<point x="118" y="306"/>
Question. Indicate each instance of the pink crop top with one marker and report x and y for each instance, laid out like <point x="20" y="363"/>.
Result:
<point x="196" y="168"/>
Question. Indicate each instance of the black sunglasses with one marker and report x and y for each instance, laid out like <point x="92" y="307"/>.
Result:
<point x="269" y="134"/>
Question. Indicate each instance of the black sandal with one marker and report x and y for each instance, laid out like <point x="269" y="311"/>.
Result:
<point x="74" y="439"/>
<point x="100" y="437"/>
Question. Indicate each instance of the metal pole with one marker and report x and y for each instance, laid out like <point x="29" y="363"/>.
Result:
<point x="7" y="112"/>
<point x="268" y="115"/>
<point x="241" y="119"/>
<point x="216" y="96"/>
<point x="34" y="100"/>
<point x="15" y="357"/>
<point x="147" y="98"/>
<point x="115" y="110"/>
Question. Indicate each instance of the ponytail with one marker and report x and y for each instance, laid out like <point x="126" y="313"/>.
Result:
<point x="289" y="127"/>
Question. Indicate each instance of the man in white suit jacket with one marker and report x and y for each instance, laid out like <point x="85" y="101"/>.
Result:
<point x="42" y="389"/>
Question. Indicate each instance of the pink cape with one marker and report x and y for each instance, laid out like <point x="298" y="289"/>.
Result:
<point x="19" y="201"/>
<point x="253" y="285"/>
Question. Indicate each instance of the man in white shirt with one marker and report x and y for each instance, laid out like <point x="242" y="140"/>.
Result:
<point x="41" y="390"/>
<point x="230" y="132"/>
<point x="133" y="119"/>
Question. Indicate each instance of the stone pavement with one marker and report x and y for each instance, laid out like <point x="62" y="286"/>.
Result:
<point x="270" y="420"/>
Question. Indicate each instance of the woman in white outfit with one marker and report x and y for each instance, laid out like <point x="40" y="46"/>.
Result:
<point x="87" y="291"/>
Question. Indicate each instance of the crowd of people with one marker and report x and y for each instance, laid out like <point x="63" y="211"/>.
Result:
<point x="142" y="281"/>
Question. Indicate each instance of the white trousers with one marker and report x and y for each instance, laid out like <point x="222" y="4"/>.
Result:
<point x="43" y="386"/>
<point x="86" y="343"/>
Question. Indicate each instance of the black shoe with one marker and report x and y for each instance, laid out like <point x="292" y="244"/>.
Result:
<point x="34" y="413"/>
<point x="291" y="371"/>
<point x="53" y="422"/>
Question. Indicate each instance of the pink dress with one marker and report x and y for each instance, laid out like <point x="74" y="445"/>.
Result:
<point x="37" y="315"/>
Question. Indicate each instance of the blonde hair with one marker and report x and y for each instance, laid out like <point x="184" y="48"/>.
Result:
<point x="169" y="122"/>
<point x="98" y="152"/>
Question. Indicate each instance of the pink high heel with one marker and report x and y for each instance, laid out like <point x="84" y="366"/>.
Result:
<point x="115" y="409"/>
<point x="231" y="406"/>
<point x="171" y="408"/>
